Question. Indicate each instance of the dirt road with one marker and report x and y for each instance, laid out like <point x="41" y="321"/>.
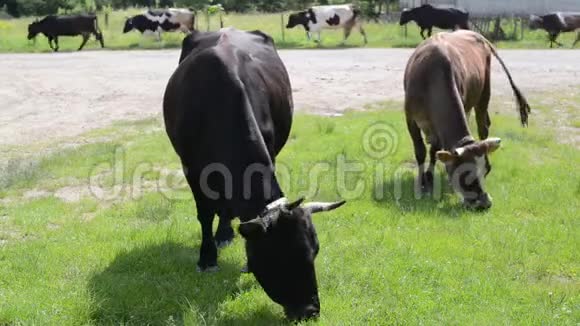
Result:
<point x="50" y="96"/>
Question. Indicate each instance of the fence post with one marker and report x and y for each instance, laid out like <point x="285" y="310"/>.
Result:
<point x="282" y="27"/>
<point x="208" y="20"/>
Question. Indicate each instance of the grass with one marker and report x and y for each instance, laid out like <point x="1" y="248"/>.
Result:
<point x="384" y="259"/>
<point x="13" y="35"/>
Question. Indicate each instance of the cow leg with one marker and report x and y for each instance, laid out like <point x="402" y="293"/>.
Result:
<point x="420" y="151"/>
<point x="208" y="250"/>
<point x="429" y="175"/>
<point x="99" y="37"/>
<point x="422" y="31"/>
<point x="50" y="42"/>
<point x="347" y="30"/>
<point x="553" y="37"/>
<point x="318" y="37"/>
<point x="430" y="31"/>
<point x="56" y="44"/>
<point x="363" y="33"/>
<point x="481" y="110"/>
<point x="85" y="39"/>
<point x="225" y="233"/>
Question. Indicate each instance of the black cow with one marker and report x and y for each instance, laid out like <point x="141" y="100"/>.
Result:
<point x="556" y="23"/>
<point x="228" y="113"/>
<point x="428" y="16"/>
<point x="54" y="26"/>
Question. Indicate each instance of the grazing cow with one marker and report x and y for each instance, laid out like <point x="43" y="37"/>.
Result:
<point x="318" y="18"/>
<point x="164" y="20"/>
<point x="54" y="26"/>
<point x="446" y="77"/>
<point x="556" y="23"/>
<point x="428" y="16"/>
<point x="228" y="113"/>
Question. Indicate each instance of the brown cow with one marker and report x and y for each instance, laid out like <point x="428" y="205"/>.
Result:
<point x="447" y="76"/>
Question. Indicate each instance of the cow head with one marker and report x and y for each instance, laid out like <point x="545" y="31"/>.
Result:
<point x="467" y="167"/>
<point x="33" y="29"/>
<point x="406" y="16"/>
<point x="299" y="18"/>
<point x="128" y="25"/>
<point x="281" y="245"/>
<point x="536" y="22"/>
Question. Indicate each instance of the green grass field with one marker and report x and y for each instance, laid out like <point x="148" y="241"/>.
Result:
<point x="386" y="257"/>
<point x="13" y="35"/>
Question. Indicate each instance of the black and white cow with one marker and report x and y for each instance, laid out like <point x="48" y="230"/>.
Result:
<point x="556" y="23"/>
<point x="228" y="113"/>
<point x="54" y="26"/>
<point x="315" y="19"/>
<point x="161" y="20"/>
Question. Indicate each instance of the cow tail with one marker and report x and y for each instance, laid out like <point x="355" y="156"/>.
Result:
<point x="523" y="106"/>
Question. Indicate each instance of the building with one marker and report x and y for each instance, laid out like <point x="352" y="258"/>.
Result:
<point x="500" y="7"/>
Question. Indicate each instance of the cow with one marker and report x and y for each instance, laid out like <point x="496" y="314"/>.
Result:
<point x="427" y="16"/>
<point x="54" y="26"/>
<point x="228" y="113"/>
<point x="315" y="19"/>
<point x="446" y="77"/>
<point x="163" y="20"/>
<point x="556" y="23"/>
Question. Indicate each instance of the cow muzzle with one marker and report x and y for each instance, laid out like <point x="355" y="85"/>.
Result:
<point x="482" y="202"/>
<point x="306" y="312"/>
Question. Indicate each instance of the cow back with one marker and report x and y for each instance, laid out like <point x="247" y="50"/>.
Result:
<point x="68" y="25"/>
<point x="229" y="102"/>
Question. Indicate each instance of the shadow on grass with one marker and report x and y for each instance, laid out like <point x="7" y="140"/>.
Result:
<point x="401" y="192"/>
<point x="159" y="284"/>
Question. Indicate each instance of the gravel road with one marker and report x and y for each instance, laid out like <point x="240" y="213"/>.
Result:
<point x="51" y="96"/>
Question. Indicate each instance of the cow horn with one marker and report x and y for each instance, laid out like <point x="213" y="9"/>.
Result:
<point x="316" y="207"/>
<point x="459" y="151"/>
<point x="296" y="203"/>
<point x="277" y="203"/>
<point x="492" y="144"/>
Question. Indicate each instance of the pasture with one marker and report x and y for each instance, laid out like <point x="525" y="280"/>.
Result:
<point x="13" y="34"/>
<point x="105" y="232"/>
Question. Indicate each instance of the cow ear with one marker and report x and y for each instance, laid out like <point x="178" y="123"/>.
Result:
<point x="491" y="144"/>
<point x="446" y="156"/>
<point x="252" y="229"/>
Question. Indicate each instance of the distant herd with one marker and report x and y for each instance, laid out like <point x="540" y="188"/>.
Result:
<point x="228" y="112"/>
<point x="314" y="20"/>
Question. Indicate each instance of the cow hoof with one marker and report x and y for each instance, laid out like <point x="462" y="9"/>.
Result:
<point x="223" y="243"/>
<point x="208" y="269"/>
<point x="245" y="269"/>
